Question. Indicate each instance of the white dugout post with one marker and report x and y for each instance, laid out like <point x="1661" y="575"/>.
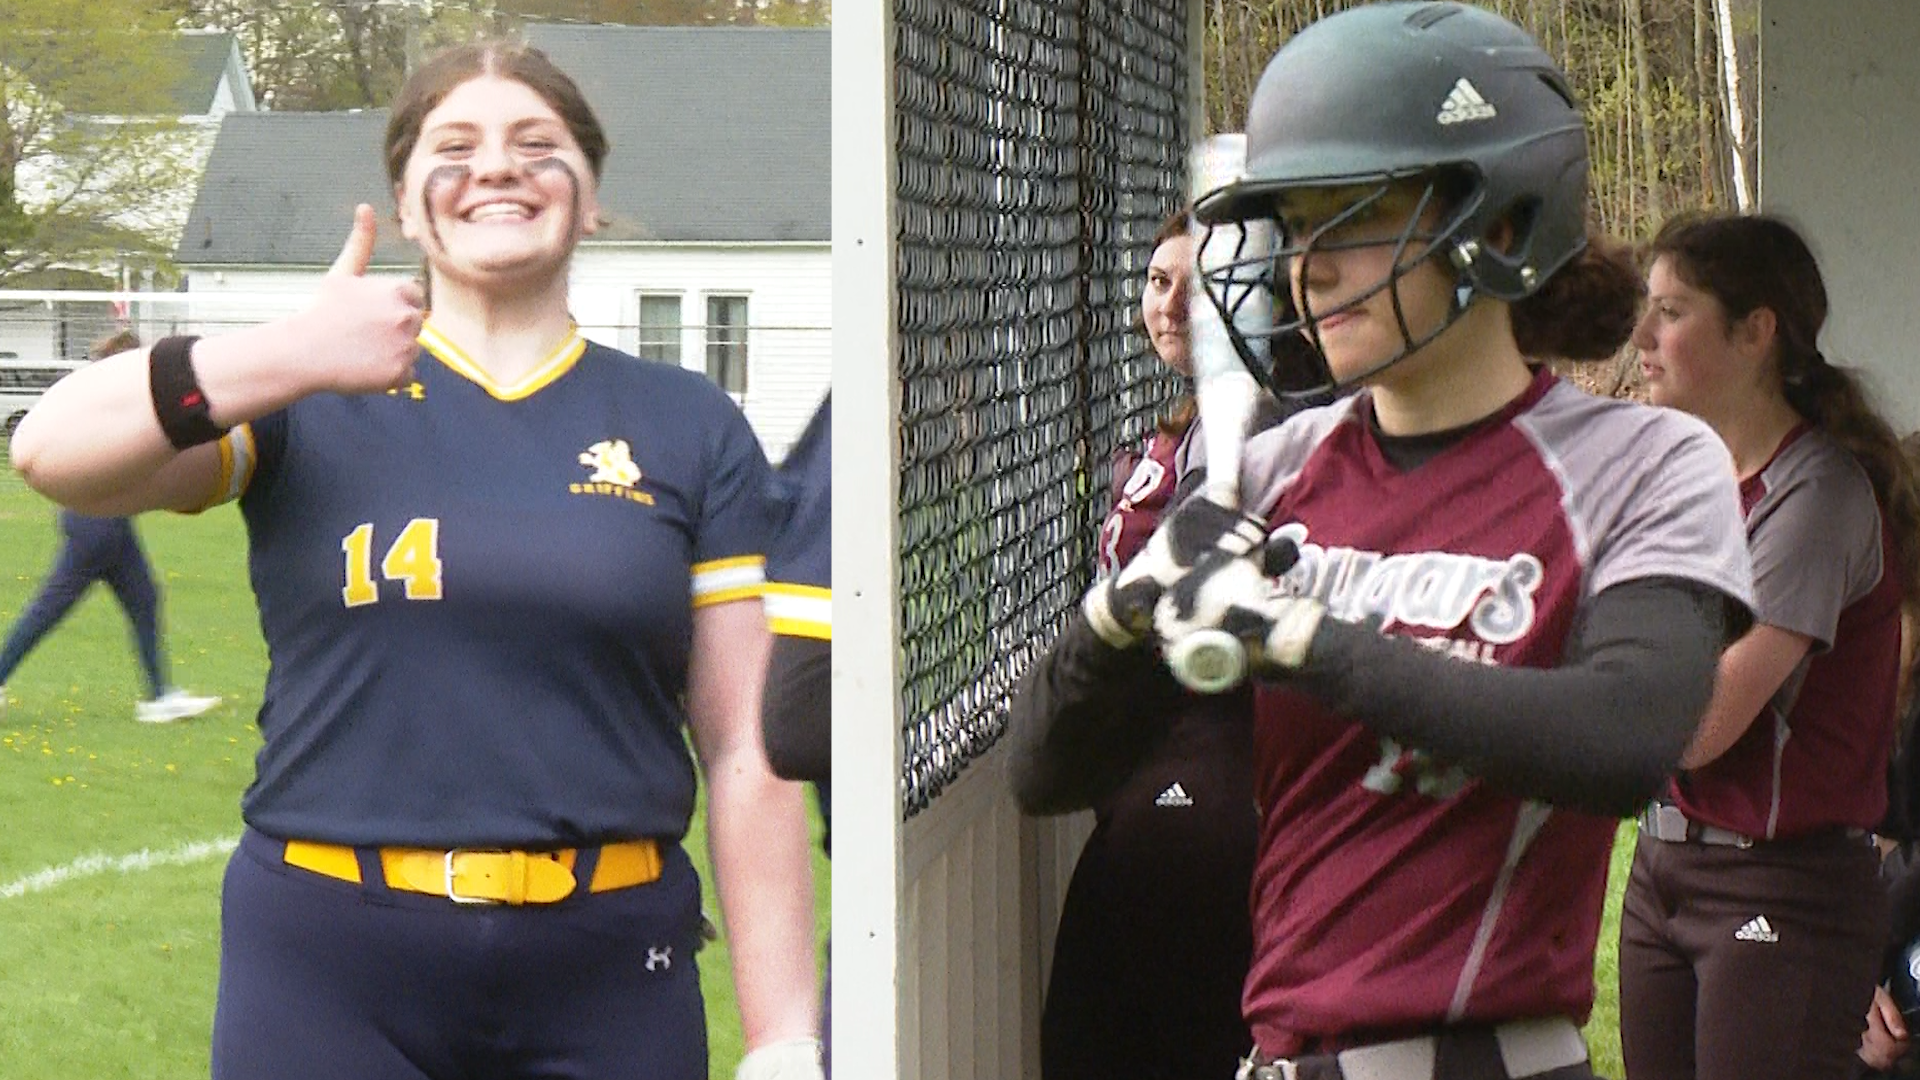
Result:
<point x="867" y="743"/>
<point x="943" y="922"/>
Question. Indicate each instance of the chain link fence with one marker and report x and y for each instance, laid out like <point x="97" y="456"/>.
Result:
<point x="1039" y="144"/>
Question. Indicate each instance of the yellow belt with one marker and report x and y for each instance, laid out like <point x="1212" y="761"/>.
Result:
<point x="487" y="877"/>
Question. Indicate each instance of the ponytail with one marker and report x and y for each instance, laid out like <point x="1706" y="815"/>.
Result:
<point x="1831" y="399"/>
<point x="1586" y="311"/>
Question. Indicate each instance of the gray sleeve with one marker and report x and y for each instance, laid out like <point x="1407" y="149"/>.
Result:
<point x="1190" y="457"/>
<point x="1650" y="493"/>
<point x="1815" y="539"/>
<point x="1275" y="456"/>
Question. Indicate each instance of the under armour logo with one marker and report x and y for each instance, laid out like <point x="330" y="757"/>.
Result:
<point x="659" y="959"/>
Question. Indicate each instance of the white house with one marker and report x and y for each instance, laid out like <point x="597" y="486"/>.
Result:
<point x="715" y="254"/>
<point x="143" y="140"/>
<point x="175" y="125"/>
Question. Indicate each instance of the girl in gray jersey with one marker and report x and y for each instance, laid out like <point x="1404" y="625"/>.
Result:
<point x="1481" y="609"/>
<point x="1754" y="919"/>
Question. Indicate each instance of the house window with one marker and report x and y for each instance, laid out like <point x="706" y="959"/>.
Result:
<point x="727" y="342"/>
<point x="659" y="328"/>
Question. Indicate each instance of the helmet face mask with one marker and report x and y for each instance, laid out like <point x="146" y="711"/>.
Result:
<point x="1285" y="349"/>
<point x="1376" y="97"/>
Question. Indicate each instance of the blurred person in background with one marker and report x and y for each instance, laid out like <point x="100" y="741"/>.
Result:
<point x="104" y="550"/>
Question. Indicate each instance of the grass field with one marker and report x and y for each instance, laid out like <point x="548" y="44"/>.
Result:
<point x="1603" y="1030"/>
<point x="117" y="831"/>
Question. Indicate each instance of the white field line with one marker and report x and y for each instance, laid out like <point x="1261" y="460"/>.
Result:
<point x="94" y="865"/>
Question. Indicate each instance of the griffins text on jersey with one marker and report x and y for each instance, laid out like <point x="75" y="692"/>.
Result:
<point x="612" y="472"/>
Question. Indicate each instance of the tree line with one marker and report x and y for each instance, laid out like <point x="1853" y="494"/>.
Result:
<point x="322" y="55"/>
<point x="1668" y="87"/>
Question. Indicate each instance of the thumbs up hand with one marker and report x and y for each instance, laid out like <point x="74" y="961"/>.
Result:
<point x="364" y="329"/>
<point x="357" y="255"/>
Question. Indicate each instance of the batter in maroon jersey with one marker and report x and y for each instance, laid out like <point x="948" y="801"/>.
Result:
<point x="1398" y="888"/>
<point x="1754" y="919"/>
<point x="1481" y="609"/>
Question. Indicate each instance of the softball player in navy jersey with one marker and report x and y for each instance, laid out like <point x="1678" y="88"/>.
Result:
<point x="1481" y="606"/>
<point x="499" y="570"/>
<point x="800" y="612"/>
<point x="798" y="713"/>
<point x="1754" y="919"/>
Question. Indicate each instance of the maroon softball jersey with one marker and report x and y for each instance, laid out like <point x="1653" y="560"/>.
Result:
<point x="1816" y="756"/>
<point x="1393" y="891"/>
<point x="1139" y="500"/>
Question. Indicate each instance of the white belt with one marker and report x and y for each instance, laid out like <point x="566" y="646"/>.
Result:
<point x="1527" y="1048"/>
<point x="1663" y="821"/>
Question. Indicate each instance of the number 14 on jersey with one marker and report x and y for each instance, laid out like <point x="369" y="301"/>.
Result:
<point x="413" y="559"/>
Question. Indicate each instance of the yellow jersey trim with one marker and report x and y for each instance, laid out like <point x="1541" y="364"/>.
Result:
<point x="726" y="596"/>
<point x="801" y="629"/>
<point x="559" y="363"/>
<point x="720" y="580"/>
<point x="800" y="610"/>
<point x="238" y="456"/>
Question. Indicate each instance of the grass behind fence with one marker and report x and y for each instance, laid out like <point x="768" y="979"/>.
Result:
<point x="109" y="971"/>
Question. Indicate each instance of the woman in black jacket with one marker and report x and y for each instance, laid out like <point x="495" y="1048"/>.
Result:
<point x="1154" y="935"/>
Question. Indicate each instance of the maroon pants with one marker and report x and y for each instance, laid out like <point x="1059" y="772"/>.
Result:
<point x="1749" y="963"/>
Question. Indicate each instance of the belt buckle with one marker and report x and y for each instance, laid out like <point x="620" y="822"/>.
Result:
<point x="454" y="894"/>
<point x="1669" y="823"/>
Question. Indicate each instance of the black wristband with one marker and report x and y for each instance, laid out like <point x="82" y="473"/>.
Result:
<point x="178" y="401"/>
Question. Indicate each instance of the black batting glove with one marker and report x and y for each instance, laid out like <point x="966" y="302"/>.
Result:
<point x="1120" y="608"/>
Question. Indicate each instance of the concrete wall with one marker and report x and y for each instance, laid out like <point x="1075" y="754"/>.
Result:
<point x="1840" y="155"/>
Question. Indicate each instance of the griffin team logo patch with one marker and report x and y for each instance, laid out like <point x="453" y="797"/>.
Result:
<point x="612" y="472"/>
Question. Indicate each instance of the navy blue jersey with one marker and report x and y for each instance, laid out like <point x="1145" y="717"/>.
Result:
<point x="478" y="599"/>
<point x="800" y="564"/>
<point x="797" y="713"/>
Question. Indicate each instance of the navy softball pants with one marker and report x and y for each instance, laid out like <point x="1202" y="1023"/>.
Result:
<point x="323" y="979"/>
<point x="94" y="549"/>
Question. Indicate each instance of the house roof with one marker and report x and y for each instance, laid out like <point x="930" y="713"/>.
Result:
<point x="280" y="188"/>
<point x="196" y="58"/>
<point x="201" y="57"/>
<point x="718" y="134"/>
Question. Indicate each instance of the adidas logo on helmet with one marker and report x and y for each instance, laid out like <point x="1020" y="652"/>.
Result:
<point x="1464" y="103"/>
